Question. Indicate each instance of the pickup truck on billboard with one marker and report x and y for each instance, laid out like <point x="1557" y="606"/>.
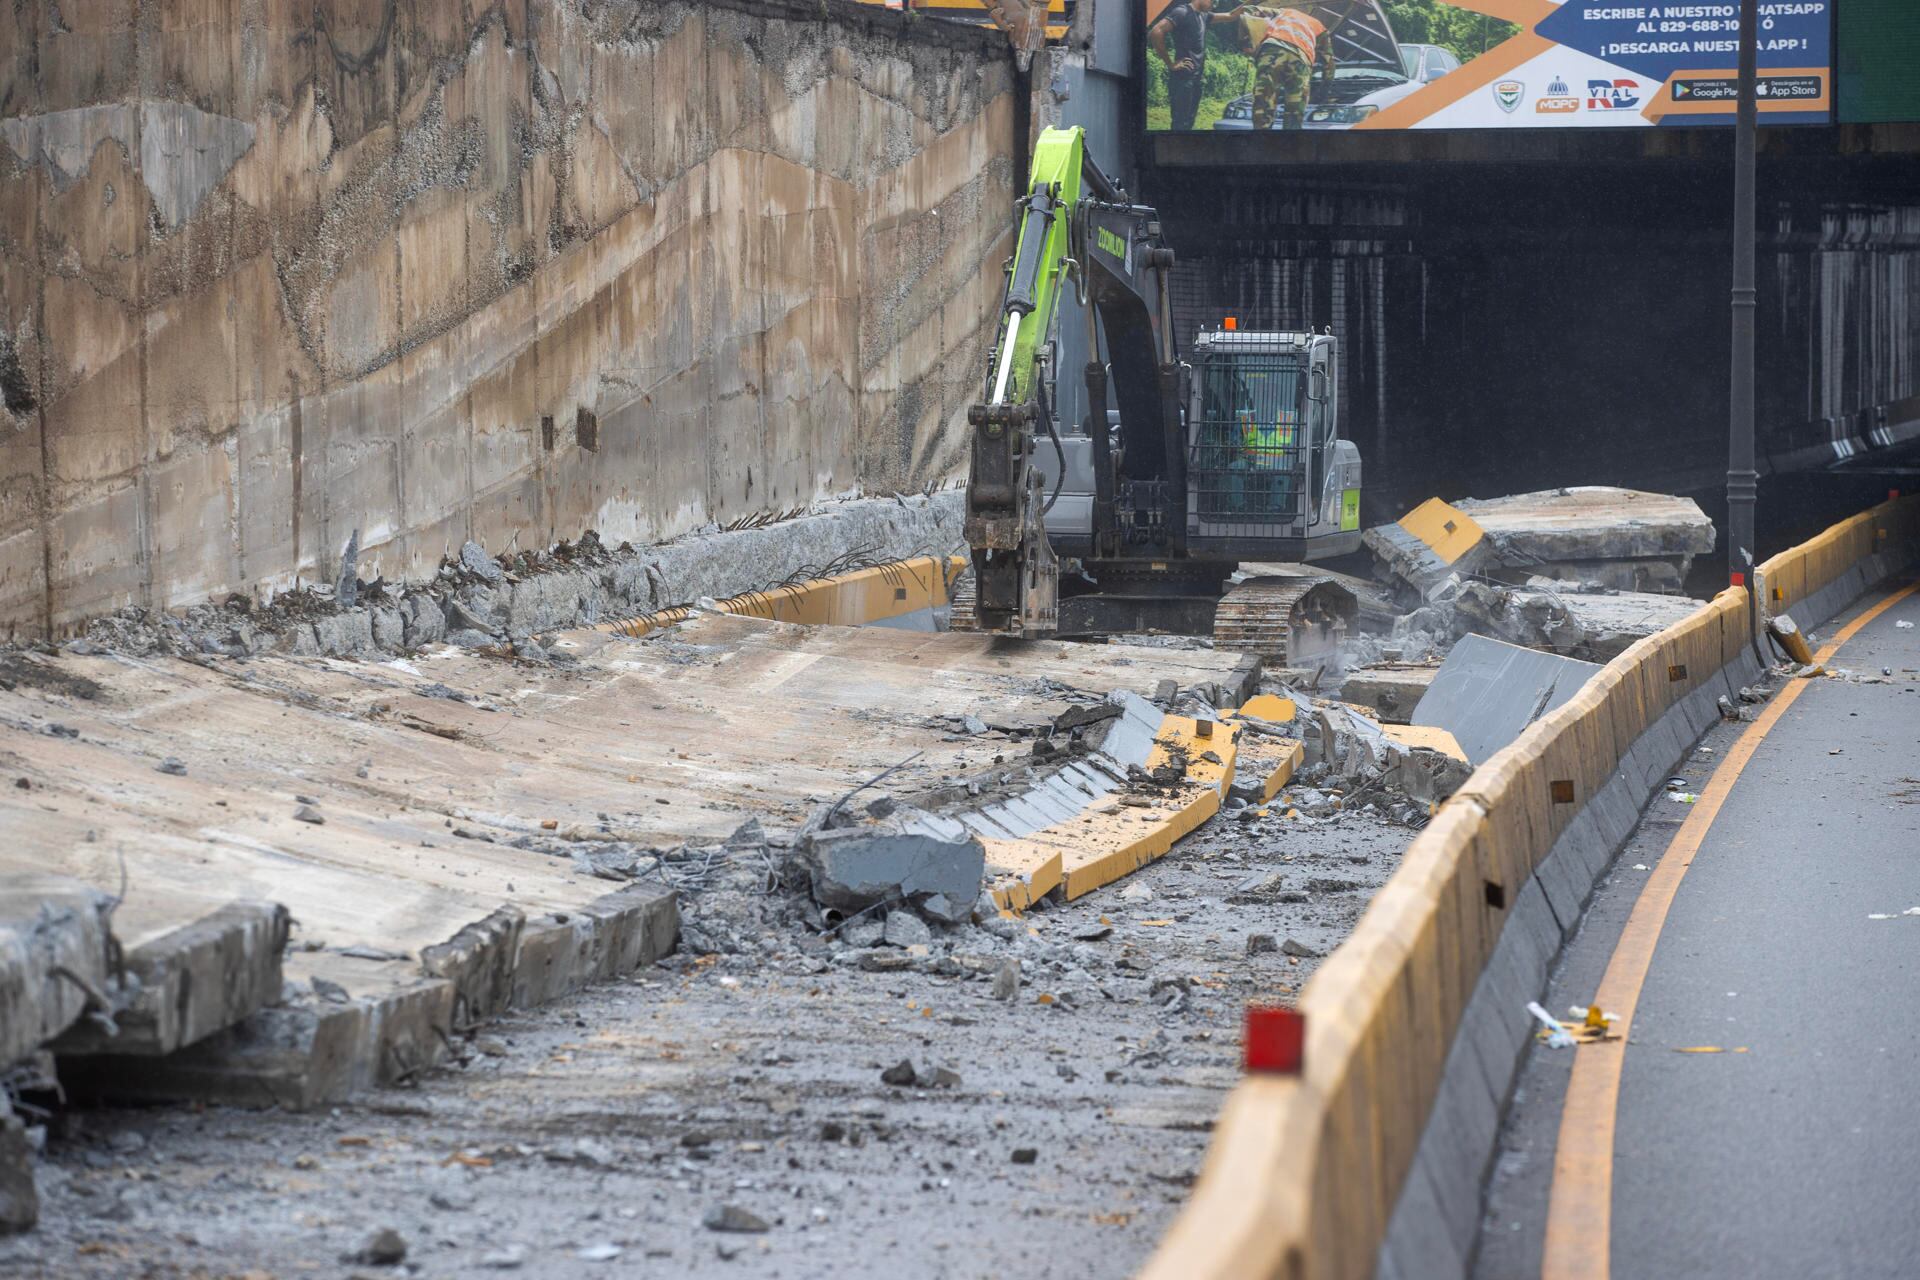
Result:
<point x="1214" y="65"/>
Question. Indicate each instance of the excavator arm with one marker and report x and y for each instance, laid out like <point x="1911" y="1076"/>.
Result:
<point x="1075" y="226"/>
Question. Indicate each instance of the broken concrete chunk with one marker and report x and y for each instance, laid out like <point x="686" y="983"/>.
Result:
<point x="1006" y="980"/>
<point x="1486" y="692"/>
<point x="731" y="1217"/>
<point x="384" y="1248"/>
<point x="1785" y="630"/>
<point x="1427" y="776"/>
<point x="475" y="560"/>
<point x="19" y="1200"/>
<point x="945" y="909"/>
<point x="307" y="813"/>
<point x="1427" y="548"/>
<point x="864" y="932"/>
<point x="425" y="622"/>
<point x="389" y="628"/>
<point x="1298" y="950"/>
<point x="908" y="855"/>
<point x="172" y="765"/>
<point x="1081" y="717"/>
<point x="1393" y="691"/>
<point x="900" y="1075"/>
<point x="1261" y="944"/>
<point x="905" y="929"/>
<point x="346" y="591"/>
<point x="462" y="616"/>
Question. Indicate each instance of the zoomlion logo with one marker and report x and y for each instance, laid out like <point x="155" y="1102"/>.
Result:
<point x="1112" y="243"/>
<point x="1508" y="94"/>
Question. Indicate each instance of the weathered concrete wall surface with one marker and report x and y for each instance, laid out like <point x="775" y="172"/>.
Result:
<point x="436" y="270"/>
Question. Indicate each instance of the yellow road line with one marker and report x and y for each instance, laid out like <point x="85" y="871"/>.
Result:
<point x="1580" y="1208"/>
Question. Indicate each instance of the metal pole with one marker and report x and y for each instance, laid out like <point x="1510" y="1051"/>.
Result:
<point x="1742" y="481"/>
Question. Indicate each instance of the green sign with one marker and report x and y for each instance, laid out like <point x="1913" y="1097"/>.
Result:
<point x="1879" y="48"/>
<point x="1349" y="509"/>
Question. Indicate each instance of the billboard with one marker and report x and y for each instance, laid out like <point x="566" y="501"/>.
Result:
<point x="1216" y="66"/>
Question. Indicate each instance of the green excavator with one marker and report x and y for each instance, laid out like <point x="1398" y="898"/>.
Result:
<point x="1135" y="518"/>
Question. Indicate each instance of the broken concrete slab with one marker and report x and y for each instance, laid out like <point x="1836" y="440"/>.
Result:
<point x="1620" y="538"/>
<point x="1592" y="626"/>
<point x="1426" y="547"/>
<point x="909" y="855"/>
<point x="1487" y="692"/>
<point x="1426" y="775"/>
<point x="56" y="948"/>
<point x="399" y="1019"/>
<point x="188" y="983"/>
<point x="1391" y="690"/>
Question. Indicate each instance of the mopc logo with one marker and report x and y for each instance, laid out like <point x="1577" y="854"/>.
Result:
<point x="1559" y="99"/>
<point x="1508" y="94"/>
<point x="1613" y="95"/>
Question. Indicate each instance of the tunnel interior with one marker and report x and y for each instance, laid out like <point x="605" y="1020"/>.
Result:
<point x="1508" y="327"/>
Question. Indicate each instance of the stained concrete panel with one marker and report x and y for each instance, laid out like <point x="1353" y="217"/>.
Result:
<point x="759" y="246"/>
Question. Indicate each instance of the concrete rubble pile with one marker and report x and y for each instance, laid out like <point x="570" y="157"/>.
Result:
<point x="1580" y="572"/>
<point x="1350" y="762"/>
<point x="505" y="604"/>
<point x="1621" y="539"/>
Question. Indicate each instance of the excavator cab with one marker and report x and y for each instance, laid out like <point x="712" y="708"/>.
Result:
<point x="1268" y="478"/>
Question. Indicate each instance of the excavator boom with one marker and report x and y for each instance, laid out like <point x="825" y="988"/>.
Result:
<point x="1075" y="227"/>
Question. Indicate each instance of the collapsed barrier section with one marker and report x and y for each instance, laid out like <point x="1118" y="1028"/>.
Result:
<point x="1372" y="1160"/>
<point x="912" y="595"/>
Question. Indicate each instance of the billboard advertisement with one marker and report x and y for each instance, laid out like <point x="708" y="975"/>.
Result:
<point x="1214" y="65"/>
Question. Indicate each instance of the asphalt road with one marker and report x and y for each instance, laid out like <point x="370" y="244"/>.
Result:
<point x="1798" y="1155"/>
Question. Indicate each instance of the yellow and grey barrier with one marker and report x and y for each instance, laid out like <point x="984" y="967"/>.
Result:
<point x="901" y="593"/>
<point x="1370" y="1161"/>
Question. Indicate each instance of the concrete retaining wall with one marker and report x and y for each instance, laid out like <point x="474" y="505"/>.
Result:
<point x="434" y="272"/>
<point x="1372" y="1160"/>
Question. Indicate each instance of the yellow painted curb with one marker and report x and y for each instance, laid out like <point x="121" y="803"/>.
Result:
<point x="1420" y="735"/>
<point x="1270" y="761"/>
<point x="1109" y="839"/>
<point x="853" y="599"/>
<point x="1444" y="529"/>
<point x="1021" y="872"/>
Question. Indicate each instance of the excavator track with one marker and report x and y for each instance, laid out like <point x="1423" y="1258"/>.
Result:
<point x="1284" y="620"/>
<point x="960" y="602"/>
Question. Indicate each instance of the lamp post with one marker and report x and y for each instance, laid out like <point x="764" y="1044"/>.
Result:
<point x="1743" y="483"/>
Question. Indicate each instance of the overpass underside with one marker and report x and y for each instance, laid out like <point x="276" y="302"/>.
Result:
<point x="1561" y="318"/>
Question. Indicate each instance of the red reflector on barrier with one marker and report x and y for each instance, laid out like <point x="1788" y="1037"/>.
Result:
<point x="1276" y="1039"/>
<point x="1739" y="579"/>
<point x="1892" y="494"/>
